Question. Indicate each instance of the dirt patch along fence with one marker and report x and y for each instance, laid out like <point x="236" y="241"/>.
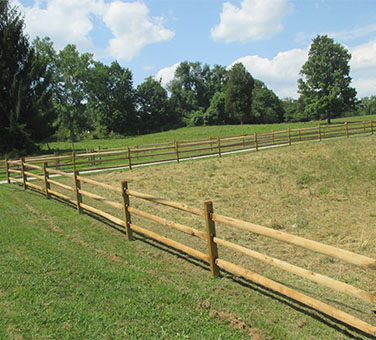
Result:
<point x="209" y="244"/>
<point x="176" y="151"/>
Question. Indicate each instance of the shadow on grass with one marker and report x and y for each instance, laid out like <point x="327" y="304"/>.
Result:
<point x="333" y="323"/>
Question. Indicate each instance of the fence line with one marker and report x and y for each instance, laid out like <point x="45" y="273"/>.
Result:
<point x="177" y="151"/>
<point x="76" y="196"/>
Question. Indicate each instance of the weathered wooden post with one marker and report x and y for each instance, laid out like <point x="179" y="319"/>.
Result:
<point x="371" y="126"/>
<point x="255" y="138"/>
<point x="273" y="136"/>
<point x="347" y="130"/>
<point x="129" y="158"/>
<point x="210" y="232"/>
<point x="74" y="160"/>
<point x="24" y="177"/>
<point x="300" y="134"/>
<point x="77" y="188"/>
<point x="46" y="178"/>
<point x="127" y="215"/>
<point x="319" y="127"/>
<point x="177" y="151"/>
<point x="219" y="146"/>
<point x="7" y="170"/>
<point x="56" y="154"/>
<point x="289" y="135"/>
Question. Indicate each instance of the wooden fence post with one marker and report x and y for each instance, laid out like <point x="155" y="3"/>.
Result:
<point x="177" y="151"/>
<point x="56" y="154"/>
<point x="24" y="177"/>
<point x="273" y="136"/>
<point x="346" y="130"/>
<point x="371" y="126"/>
<point x="219" y="146"/>
<point x="289" y="136"/>
<point x="7" y="170"/>
<point x="99" y="154"/>
<point x="46" y="178"/>
<point x="74" y="160"/>
<point x="300" y="135"/>
<point x="256" y="144"/>
<point x="77" y="188"/>
<point x="127" y="215"/>
<point x="92" y="157"/>
<point x="129" y="158"/>
<point x="319" y="127"/>
<point x="210" y="232"/>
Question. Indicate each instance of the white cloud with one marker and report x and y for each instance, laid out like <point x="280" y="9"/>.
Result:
<point x="363" y="68"/>
<point x="132" y="28"/>
<point x="64" y="21"/>
<point x="280" y="73"/>
<point x="72" y="21"/>
<point x="166" y="74"/>
<point x="254" y="20"/>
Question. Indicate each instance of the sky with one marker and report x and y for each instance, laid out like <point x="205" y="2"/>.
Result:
<point x="270" y="37"/>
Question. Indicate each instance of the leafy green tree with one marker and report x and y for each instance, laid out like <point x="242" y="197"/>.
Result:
<point x="238" y="100"/>
<point x="266" y="106"/>
<point x="153" y="107"/>
<point x="325" y="86"/>
<point x="111" y="98"/>
<point x="367" y="106"/>
<point x="215" y="114"/>
<point x="71" y="94"/>
<point x="193" y="87"/>
<point x="26" y="110"/>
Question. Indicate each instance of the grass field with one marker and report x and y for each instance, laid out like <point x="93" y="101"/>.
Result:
<point x="72" y="277"/>
<point x="191" y="133"/>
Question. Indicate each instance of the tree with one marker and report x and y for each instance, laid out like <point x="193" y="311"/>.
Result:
<point x="153" y="107"/>
<point x="238" y="100"/>
<point x="71" y="97"/>
<point x="111" y="98"/>
<point x="367" y="106"/>
<point x="193" y="87"/>
<point x="325" y="86"/>
<point x="266" y="106"/>
<point x="26" y="110"/>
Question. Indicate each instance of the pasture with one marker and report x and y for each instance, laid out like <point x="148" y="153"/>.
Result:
<point x="323" y="191"/>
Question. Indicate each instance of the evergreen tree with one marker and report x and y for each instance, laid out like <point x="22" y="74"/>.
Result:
<point x="26" y="110"/>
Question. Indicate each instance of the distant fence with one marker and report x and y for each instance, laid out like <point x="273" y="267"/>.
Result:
<point x="177" y="151"/>
<point x="21" y="172"/>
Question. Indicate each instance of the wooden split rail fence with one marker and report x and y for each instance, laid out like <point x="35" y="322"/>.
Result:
<point x="75" y="194"/>
<point x="181" y="150"/>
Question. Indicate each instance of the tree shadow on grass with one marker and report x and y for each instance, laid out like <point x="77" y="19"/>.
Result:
<point x="335" y="324"/>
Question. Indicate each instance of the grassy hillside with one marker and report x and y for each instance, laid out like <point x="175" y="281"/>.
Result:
<point x="72" y="277"/>
<point x="192" y="133"/>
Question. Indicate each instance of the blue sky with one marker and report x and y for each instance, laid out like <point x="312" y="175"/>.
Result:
<point x="270" y="37"/>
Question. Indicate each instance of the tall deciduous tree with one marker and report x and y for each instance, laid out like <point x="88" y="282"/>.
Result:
<point x="325" y="86"/>
<point x="153" y="107"/>
<point x="73" y="71"/>
<point x="238" y="100"/>
<point x="111" y="98"/>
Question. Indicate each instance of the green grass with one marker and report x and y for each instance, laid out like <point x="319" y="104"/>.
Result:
<point x="65" y="276"/>
<point x="70" y="276"/>
<point x="191" y="133"/>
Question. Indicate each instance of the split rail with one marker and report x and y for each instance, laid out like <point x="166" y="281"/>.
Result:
<point x="19" y="171"/>
<point x="176" y="151"/>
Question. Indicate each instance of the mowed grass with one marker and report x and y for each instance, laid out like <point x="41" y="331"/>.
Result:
<point x="75" y="277"/>
<point x="64" y="276"/>
<point x="191" y="133"/>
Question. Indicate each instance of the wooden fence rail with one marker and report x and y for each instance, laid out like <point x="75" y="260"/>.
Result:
<point x="75" y="195"/>
<point x="177" y="151"/>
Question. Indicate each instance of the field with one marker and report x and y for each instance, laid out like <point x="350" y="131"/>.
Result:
<point x="71" y="276"/>
<point x="191" y="133"/>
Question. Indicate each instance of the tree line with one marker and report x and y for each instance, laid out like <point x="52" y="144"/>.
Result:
<point x="66" y="94"/>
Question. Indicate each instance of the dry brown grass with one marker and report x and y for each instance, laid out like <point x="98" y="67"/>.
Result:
<point x="322" y="191"/>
